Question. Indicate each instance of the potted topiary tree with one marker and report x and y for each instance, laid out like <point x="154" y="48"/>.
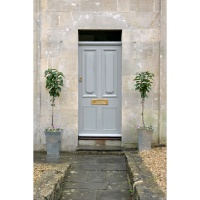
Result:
<point x="143" y="84"/>
<point x="54" y="81"/>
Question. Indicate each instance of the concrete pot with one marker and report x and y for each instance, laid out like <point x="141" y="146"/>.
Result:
<point x="53" y="141"/>
<point x="144" y="139"/>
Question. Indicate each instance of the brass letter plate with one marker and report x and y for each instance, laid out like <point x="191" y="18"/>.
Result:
<point x="99" y="102"/>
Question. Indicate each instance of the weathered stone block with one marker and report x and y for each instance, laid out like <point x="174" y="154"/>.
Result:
<point x="130" y="117"/>
<point x="69" y="67"/>
<point x="35" y="22"/>
<point x="67" y="5"/>
<point x="86" y="142"/>
<point x="71" y="35"/>
<point x="131" y="19"/>
<point x="156" y="101"/>
<point x="126" y="34"/>
<point x="55" y="6"/>
<point x="141" y="35"/>
<point x="134" y="7"/>
<point x="70" y="136"/>
<point x="142" y="5"/>
<point x="112" y="143"/>
<point x="71" y="84"/>
<point x="56" y="20"/>
<point x="146" y="7"/>
<point x="131" y="100"/>
<point x="131" y="67"/>
<point x="68" y="50"/>
<point x="71" y="99"/>
<point x="128" y="84"/>
<point x="156" y="6"/>
<point x="114" y="19"/>
<point x="148" y="20"/>
<point x="163" y="126"/>
<point x="123" y="6"/>
<point x="147" y="50"/>
<point x="135" y="1"/>
<point x="36" y="6"/>
<point x="46" y="20"/>
<point x="64" y="20"/>
<point x="129" y="135"/>
<point x="105" y="5"/>
<point x="129" y="49"/>
<point x="151" y="117"/>
<point x="155" y="85"/>
<point x="48" y="50"/>
<point x="43" y="6"/>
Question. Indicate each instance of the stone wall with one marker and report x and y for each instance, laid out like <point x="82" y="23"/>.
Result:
<point x="56" y="24"/>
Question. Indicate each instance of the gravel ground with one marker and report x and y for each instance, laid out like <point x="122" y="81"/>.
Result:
<point x="40" y="168"/>
<point x="155" y="160"/>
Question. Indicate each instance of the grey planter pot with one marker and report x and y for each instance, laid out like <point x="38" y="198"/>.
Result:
<point x="144" y="139"/>
<point x="53" y="141"/>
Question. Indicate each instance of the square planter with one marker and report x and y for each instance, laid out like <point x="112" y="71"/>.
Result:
<point x="144" y="139"/>
<point x="53" y="141"/>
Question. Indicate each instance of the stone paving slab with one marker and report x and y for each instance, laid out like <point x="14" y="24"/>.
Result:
<point x="79" y="194"/>
<point x="88" y="176"/>
<point x="118" y="186"/>
<point x="97" y="177"/>
<point x="117" y="176"/>
<point x="114" y="195"/>
<point x="111" y="159"/>
<point x="99" y="166"/>
<point x="80" y="185"/>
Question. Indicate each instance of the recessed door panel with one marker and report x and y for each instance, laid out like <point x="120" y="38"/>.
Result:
<point x="89" y="76"/>
<point x="109" y="72"/>
<point x="109" y="118"/>
<point x="89" y="118"/>
<point x="100" y="90"/>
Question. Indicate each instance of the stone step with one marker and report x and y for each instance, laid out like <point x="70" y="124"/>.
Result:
<point x="104" y="142"/>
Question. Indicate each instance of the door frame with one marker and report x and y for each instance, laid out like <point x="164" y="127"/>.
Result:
<point x="119" y="87"/>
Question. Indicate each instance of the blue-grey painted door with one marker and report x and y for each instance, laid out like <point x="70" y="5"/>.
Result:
<point x="100" y="89"/>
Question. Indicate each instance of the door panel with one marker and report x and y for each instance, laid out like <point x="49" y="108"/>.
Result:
<point x="109" y="118"/>
<point x="89" y="118"/>
<point x="100" y="81"/>
<point x="89" y="73"/>
<point x="109" y="75"/>
<point x="109" y="72"/>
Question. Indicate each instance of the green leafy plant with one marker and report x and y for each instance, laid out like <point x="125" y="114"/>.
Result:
<point x="143" y="85"/>
<point x="54" y="81"/>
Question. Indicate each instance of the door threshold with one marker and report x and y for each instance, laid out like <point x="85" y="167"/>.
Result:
<point x="98" y="148"/>
<point x="98" y="138"/>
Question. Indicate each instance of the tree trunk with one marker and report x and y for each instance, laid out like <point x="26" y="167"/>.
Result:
<point x="52" y="111"/>
<point x="143" y="112"/>
<point x="52" y="118"/>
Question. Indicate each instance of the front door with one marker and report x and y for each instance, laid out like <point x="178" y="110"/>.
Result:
<point x="100" y="89"/>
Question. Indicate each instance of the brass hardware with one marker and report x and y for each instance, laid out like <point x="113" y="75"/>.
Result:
<point x="99" y="101"/>
<point x="80" y="79"/>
